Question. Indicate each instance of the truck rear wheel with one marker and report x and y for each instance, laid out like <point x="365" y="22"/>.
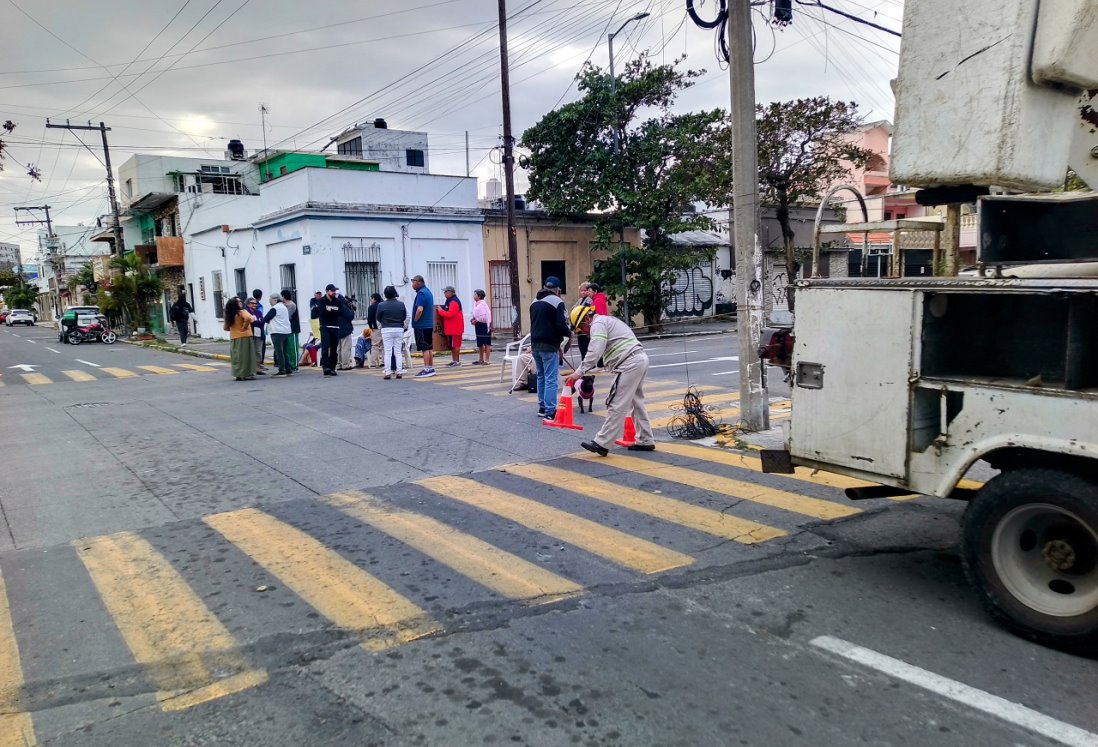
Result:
<point x="1030" y="545"/>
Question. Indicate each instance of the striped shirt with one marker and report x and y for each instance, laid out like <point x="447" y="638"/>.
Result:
<point x="611" y="340"/>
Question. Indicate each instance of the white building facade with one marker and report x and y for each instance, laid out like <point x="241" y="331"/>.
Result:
<point x="360" y="231"/>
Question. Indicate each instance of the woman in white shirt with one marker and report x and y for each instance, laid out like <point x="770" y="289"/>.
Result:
<point x="482" y="323"/>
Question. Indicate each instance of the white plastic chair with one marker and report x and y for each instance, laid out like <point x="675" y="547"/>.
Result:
<point x="511" y="355"/>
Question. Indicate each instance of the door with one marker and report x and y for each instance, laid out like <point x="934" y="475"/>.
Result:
<point x="440" y="275"/>
<point x="499" y="295"/>
<point x="362" y="272"/>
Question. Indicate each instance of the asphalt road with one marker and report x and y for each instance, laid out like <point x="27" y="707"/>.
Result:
<point x="190" y="560"/>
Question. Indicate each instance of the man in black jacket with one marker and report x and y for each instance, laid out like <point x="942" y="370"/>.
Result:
<point x="548" y="329"/>
<point x="330" y="312"/>
<point x="180" y="314"/>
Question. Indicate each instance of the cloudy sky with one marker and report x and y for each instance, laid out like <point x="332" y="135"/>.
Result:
<point x="185" y="76"/>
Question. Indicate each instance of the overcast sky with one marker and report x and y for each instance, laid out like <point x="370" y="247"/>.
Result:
<point x="183" y="77"/>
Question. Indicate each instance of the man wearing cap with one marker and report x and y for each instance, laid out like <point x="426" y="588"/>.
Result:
<point x="330" y="311"/>
<point x="548" y="329"/>
<point x="423" y="325"/>
<point x="614" y="342"/>
<point x="453" y="323"/>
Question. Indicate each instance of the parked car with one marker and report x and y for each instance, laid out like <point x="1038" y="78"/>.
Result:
<point x="4" y="314"/>
<point x="19" y="316"/>
<point x="71" y="319"/>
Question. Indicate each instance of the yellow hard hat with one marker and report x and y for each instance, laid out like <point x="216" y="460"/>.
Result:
<point x="579" y="314"/>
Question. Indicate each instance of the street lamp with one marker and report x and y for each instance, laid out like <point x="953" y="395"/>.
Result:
<point x="617" y="150"/>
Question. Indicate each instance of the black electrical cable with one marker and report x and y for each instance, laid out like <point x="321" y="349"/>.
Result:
<point x="696" y="421"/>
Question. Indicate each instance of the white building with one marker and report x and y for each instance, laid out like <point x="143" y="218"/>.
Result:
<point x="394" y="150"/>
<point x="10" y="258"/>
<point x="60" y="257"/>
<point x="359" y="230"/>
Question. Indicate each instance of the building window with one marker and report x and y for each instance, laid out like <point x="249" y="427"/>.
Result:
<point x="288" y="275"/>
<point x="554" y="268"/>
<point x="414" y="157"/>
<point x="218" y="296"/>
<point x="129" y="189"/>
<point x="241" y="282"/>
<point x="352" y="147"/>
<point x="440" y="275"/>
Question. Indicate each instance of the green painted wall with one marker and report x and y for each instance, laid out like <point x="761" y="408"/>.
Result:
<point x="292" y="162"/>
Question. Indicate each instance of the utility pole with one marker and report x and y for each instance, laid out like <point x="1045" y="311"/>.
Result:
<point x="750" y="275"/>
<point x="509" y="168"/>
<point x="53" y="262"/>
<point x="617" y="152"/>
<point x="119" y="247"/>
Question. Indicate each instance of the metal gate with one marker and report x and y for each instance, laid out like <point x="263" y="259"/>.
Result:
<point x="362" y="269"/>
<point x="499" y="294"/>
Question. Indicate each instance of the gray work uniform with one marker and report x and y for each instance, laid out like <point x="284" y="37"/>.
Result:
<point x="615" y="343"/>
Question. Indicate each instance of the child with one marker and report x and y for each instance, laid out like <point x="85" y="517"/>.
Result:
<point x="482" y="323"/>
<point x="363" y="345"/>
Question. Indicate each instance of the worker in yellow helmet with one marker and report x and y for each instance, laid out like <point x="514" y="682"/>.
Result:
<point x="614" y="342"/>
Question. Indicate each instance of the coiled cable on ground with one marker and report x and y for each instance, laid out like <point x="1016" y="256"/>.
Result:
<point x="697" y="419"/>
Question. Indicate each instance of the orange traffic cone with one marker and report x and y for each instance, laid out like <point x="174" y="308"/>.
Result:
<point x="564" y="416"/>
<point x="630" y="436"/>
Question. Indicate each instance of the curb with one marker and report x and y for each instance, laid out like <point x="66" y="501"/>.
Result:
<point x="670" y="335"/>
<point x="223" y="357"/>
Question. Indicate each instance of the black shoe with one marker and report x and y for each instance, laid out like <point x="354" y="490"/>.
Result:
<point x="595" y="448"/>
<point x="541" y="414"/>
<point x="329" y="372"/>
<point x="641" y="447"/>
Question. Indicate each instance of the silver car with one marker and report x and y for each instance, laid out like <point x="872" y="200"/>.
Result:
<point x="20" y="316"/>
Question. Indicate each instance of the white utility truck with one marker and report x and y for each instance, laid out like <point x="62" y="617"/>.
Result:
<point x="907" y="383"/>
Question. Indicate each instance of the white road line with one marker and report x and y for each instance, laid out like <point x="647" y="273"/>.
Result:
<point x="993" y="705"/>
<point x="657" y="355"/>
<point x="32" y="342"/>
<point x="723" y="373"/>
<point x="695" y="363"/>
<point x="52" y="350"/>
<point x="87" y="363"/>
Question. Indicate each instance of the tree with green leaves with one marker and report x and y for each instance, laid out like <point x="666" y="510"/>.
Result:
<point x="84" y="278"/>
<point x="804" y="148"/>
<point x="21" y="296"/>
<point x="624" y="156"/>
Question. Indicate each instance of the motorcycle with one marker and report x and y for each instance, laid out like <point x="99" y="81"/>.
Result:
<point x="91" y="333"/>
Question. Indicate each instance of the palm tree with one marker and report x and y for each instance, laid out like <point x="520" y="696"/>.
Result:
<point x="132" y="292"/>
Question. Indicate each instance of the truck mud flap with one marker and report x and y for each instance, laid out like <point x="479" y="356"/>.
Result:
<point x="776" y="461"/>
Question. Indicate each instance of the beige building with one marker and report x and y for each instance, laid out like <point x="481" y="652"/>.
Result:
<point x="547" y="246"/>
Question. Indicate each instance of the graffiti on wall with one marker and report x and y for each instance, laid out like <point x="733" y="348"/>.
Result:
<point x="692" y="292"/>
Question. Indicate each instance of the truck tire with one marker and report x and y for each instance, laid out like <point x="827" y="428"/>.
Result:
<point x="1030" y="545"/>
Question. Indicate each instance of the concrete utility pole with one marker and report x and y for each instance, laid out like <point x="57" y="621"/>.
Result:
<point x="750" y="276"/>
<point x="617" y="151"/>
<point x="119" y="246"/>
<point x="509" y="169"/>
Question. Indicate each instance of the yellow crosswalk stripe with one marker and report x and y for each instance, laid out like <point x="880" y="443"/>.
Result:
<point x="487" y="565"/>
<point x="16" y="728"/>
<point x="184" y="648"/>
<point x="119" y="373"/>
<point x="480" y="378"/>
<point x="743" y="461"/>
<point x="36" y="379"/>
<point x="195" y="367"/>
<point x="335" y="587"/>
<point x="718" y="414"/>
<point x="671" y="510"/>
<point x="617" y="547"/>
<point x="158" y="370"/>
<point x="747" y="491"/>
<point x="669" y="404"/>
<point x="76" y="375"/>
<point x="493" y="384"/>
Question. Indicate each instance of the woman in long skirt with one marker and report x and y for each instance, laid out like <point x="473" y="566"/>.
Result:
<point x="238" y="323"/>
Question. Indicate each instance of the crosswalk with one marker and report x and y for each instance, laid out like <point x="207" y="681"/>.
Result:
<point x="109" y="372"/>
<point x="530" y="534"/>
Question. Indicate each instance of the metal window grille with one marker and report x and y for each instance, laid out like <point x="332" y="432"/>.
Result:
<point x="362" y="270"/>
<point x="288" y="275"/>
<point x="440" y="275"/>
<point x="499" y="293"/>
